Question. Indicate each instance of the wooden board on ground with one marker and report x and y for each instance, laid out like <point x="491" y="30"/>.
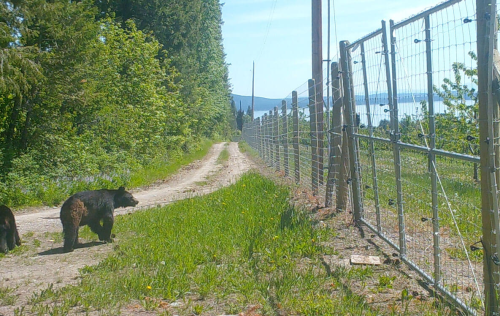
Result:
<point x="366" y="260"/>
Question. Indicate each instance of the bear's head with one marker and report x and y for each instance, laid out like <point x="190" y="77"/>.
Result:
<point x="124" y="198"/>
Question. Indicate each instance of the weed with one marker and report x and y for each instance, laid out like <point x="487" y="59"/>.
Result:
<point x="56" y="237"/>
<point x="198" y="309"/>
<point x="405" y="300"/>
<point x="6" y="296"/>
<point x="36" y="243"/>
<point x="385" y="282"/>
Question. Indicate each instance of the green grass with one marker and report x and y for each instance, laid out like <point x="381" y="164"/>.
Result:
<point x="245" y="148"/>
<point x="223" y="156"/>
<point x="56" y="237"/>
<point x="162" y="169"/>
<point x="462" y="192"/>
<point x="241" y="246"/>
<point x="6" y="296"/>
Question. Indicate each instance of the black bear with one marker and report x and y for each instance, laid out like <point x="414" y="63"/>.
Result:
<point x="89" y="208"/>
<point x="9" y="237"/>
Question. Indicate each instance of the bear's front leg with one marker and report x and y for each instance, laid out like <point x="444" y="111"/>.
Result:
<point x="107" y="223"/>
<point x="95" y="226"/>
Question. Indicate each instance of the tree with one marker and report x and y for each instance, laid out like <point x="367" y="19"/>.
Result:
<point x="240" y="120"/>
<point x="190" y="32"/>
<point x="459" y="124"/>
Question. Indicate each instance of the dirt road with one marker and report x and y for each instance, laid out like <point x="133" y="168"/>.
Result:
<point x="42" y="262"/>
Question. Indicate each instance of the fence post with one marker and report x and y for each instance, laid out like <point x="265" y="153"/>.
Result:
<point x="296" y="149"/>
<point x="285" y="138"/>
<point x="432" y="156"/>
<point x="254" y="134"/>
<point x="259" y="136"/>
<point x="345" y="57"/>
<point x="371" y="143"/>
<point x="344" y="163"/>
<point x="314" y="136"/>
<point x="264" y="137"/>
<point x="247" y="127"/>
<point x="395" y="139"/>
<point x="276" y="123"/>
<point x="271" y="137"/>
<point x="336" y="138"/>
<point x="488" y="128"/>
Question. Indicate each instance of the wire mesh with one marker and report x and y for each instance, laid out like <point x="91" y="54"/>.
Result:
<point x="416" y="132"/>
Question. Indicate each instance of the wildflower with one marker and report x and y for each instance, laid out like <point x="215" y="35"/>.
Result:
<point x="149" y="287"/>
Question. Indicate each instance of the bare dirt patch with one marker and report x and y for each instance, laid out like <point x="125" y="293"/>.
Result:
<point x="40" y="262"/>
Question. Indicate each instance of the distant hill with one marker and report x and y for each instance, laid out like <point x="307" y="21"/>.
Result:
<point x="261" y="104"/>
<point x="265" y="104"/>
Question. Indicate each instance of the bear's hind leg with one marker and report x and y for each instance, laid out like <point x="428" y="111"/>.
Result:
<point x="70" y="233"/>
<point x="11" y="240"/>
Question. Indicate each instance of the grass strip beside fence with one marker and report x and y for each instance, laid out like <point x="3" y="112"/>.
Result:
<point x="239" y="248"/>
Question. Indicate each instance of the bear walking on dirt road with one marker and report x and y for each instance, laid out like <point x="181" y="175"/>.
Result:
<point x="89" y="208"/>
<point x="9" y="237"/>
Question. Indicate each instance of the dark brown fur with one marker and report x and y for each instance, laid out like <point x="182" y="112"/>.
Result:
<point x="9" y="237"/>
<point x="89" y="208"/>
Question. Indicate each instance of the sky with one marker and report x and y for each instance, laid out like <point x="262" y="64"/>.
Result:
<point x="276" y="35"/>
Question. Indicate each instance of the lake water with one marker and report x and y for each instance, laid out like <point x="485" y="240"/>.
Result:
<point x="377" y="112"/>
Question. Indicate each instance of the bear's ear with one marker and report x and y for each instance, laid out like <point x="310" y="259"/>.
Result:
<point x="121" y="189"/>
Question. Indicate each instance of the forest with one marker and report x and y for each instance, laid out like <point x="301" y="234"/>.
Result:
<point x="95" y="91"/>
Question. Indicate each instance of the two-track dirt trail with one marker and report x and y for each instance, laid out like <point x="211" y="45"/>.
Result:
<point x="43" y="263"/>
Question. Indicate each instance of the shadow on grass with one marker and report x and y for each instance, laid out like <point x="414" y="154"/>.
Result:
<point x="59" y="250"/>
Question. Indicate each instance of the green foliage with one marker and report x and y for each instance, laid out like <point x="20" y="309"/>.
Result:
<point x="88" y="100"/>
<point x="457" y="128"/>
<point x="461" y="119"/>
<point x="190" y="31"/>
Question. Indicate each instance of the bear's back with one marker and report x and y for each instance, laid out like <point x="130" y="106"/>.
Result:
<point x="94" y="201"/>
